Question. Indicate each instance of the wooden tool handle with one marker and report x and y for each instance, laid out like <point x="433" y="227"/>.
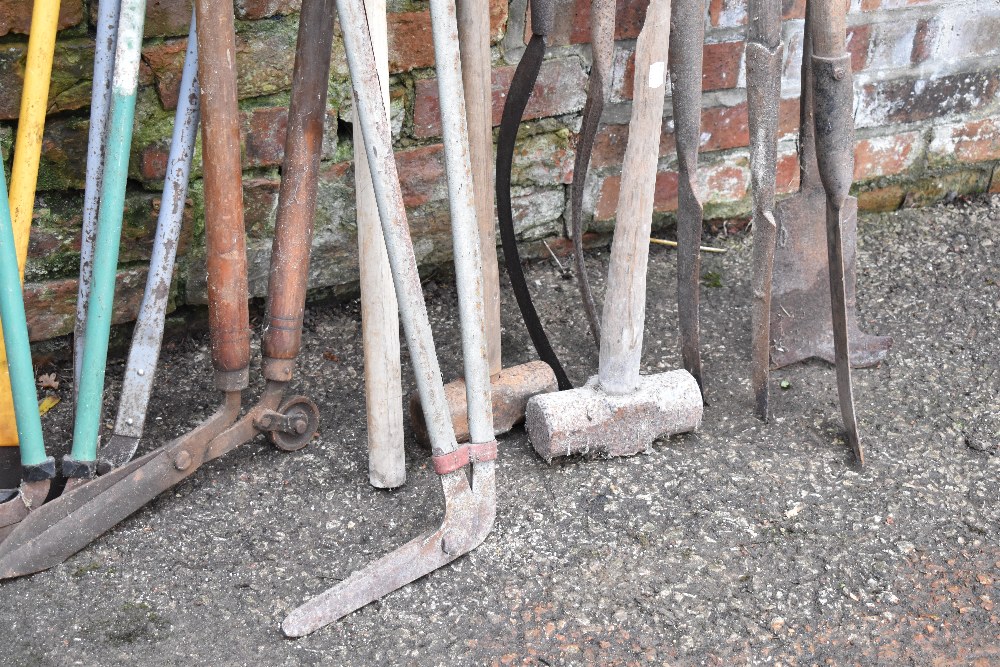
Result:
<point x="379" y="308"/>
<point x="225" y="238"/>
<point x="625" y="299"/>
<point x="828" y="19"/>
<point x="474" y="38"/>
<point x="286" y="293"/>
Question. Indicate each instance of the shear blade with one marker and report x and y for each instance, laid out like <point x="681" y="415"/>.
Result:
<point x="64" y="526"/>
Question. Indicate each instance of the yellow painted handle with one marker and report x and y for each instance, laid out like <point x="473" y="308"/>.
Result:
<point x="24" y="174"/>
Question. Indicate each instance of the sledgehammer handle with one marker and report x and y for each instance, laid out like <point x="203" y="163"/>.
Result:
<point x="286" y="293"/>
<point x="625" y="300"/>
<point x="225" y="240"/>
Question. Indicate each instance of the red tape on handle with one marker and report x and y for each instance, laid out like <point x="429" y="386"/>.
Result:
<point x="463" y="456"/>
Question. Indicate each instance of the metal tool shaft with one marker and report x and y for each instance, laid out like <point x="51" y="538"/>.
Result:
<point x="24" y="171"/>
<point x="602" y="42"/>
<point x="764" y="60"/>
<point x="100" y="104"/>
<point x="140" y="370"/>
<point x="378" y="147"/>
<point x="687" y="37"/>
<point x="465" y="228"/>
<point x="86" y="428"/>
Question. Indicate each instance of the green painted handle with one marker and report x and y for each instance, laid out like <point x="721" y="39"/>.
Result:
<point x="86" y="429"/>
<point x="15" y="334"/>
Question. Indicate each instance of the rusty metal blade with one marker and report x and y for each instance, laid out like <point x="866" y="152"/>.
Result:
<point x="61" y="527"/>
<point x="801" y="323"/>
<point x="27" y="498"/>
<point x="469" y="514"/>
<point x="687" y="36"/>
<point x="838" y="294"/>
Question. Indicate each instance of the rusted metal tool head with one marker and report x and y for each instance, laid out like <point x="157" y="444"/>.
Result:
<point x="592" y="422"/>
<point x="28" y="497"/>
<point x="469" y="513"/>
<point x="801" y="321"/>
<point x="511" y="389"/>
<point x="58" y="529"/>
<point x="687" y="37"/>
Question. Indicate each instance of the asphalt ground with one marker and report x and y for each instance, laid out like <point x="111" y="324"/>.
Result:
<point x="742" y="543"/>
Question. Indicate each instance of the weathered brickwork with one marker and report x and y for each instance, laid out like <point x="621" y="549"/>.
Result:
<point x="927" y="110"/>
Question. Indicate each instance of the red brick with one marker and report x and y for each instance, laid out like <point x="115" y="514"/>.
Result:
<point x="787" y="174"/>
<point x="560" y="89"/>
<point x="15" y="15"/>
<point x="410" y="41"/>
<point x="251" y="10"/>
<point x="721" y="69"/>
<point x="722" y="65"/>
<point x="886" y="155"/>
<point x="165" y="61"/>
<point x="163" y="17"/>
<point x="260" y="205"/>
<point x="724" y="181"/>
<point x="421" y="175"/>
<point x="858" y="45"/>
<point x="911" y="100"/>
<point x="51" y="306"/>
<point x="922" y="42"/>
<point x="664" y="200"/>
<point x="973" y="141"/>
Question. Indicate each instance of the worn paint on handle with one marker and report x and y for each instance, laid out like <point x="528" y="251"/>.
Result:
<point x="109" y="225"/>
<point x="24" y="174"/>
<point x="15" y="333"/>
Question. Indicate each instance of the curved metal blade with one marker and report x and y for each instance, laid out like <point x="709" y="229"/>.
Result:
<point x="517" y="99"/>
<point x="602" y="39"/>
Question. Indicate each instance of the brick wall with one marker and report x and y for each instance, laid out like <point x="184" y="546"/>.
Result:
<point x="927" y="113"/>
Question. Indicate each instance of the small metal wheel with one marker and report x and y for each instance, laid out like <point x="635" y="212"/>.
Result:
<point x="305" y="412"/>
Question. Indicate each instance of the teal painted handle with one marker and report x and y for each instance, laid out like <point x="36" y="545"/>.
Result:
<point x="86" y="429"/>
<point x="15" y="335"/>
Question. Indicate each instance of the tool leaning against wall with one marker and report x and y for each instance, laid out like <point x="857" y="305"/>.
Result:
<point x="37" y="468"/>
<point x="63" y="526"/>
<point x="510" y="387"/>
<point x="21" y="197"/>
<point x="812" y="310"/>
<point x="619" y="412"/>
<point x="470" y="508"/>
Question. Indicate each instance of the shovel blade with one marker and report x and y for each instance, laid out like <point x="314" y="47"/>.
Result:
<point x="801" y="322"/>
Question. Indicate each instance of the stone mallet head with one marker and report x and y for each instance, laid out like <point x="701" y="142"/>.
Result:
<point x="619" y="412"/>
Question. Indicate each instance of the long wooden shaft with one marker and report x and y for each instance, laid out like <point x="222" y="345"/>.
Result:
<point x="379" y="309"/>
<point x="625" y="300"/>
<point x="225" y="238"/>
<point x="289" y="275"/>
<point x="477" y="81"/>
